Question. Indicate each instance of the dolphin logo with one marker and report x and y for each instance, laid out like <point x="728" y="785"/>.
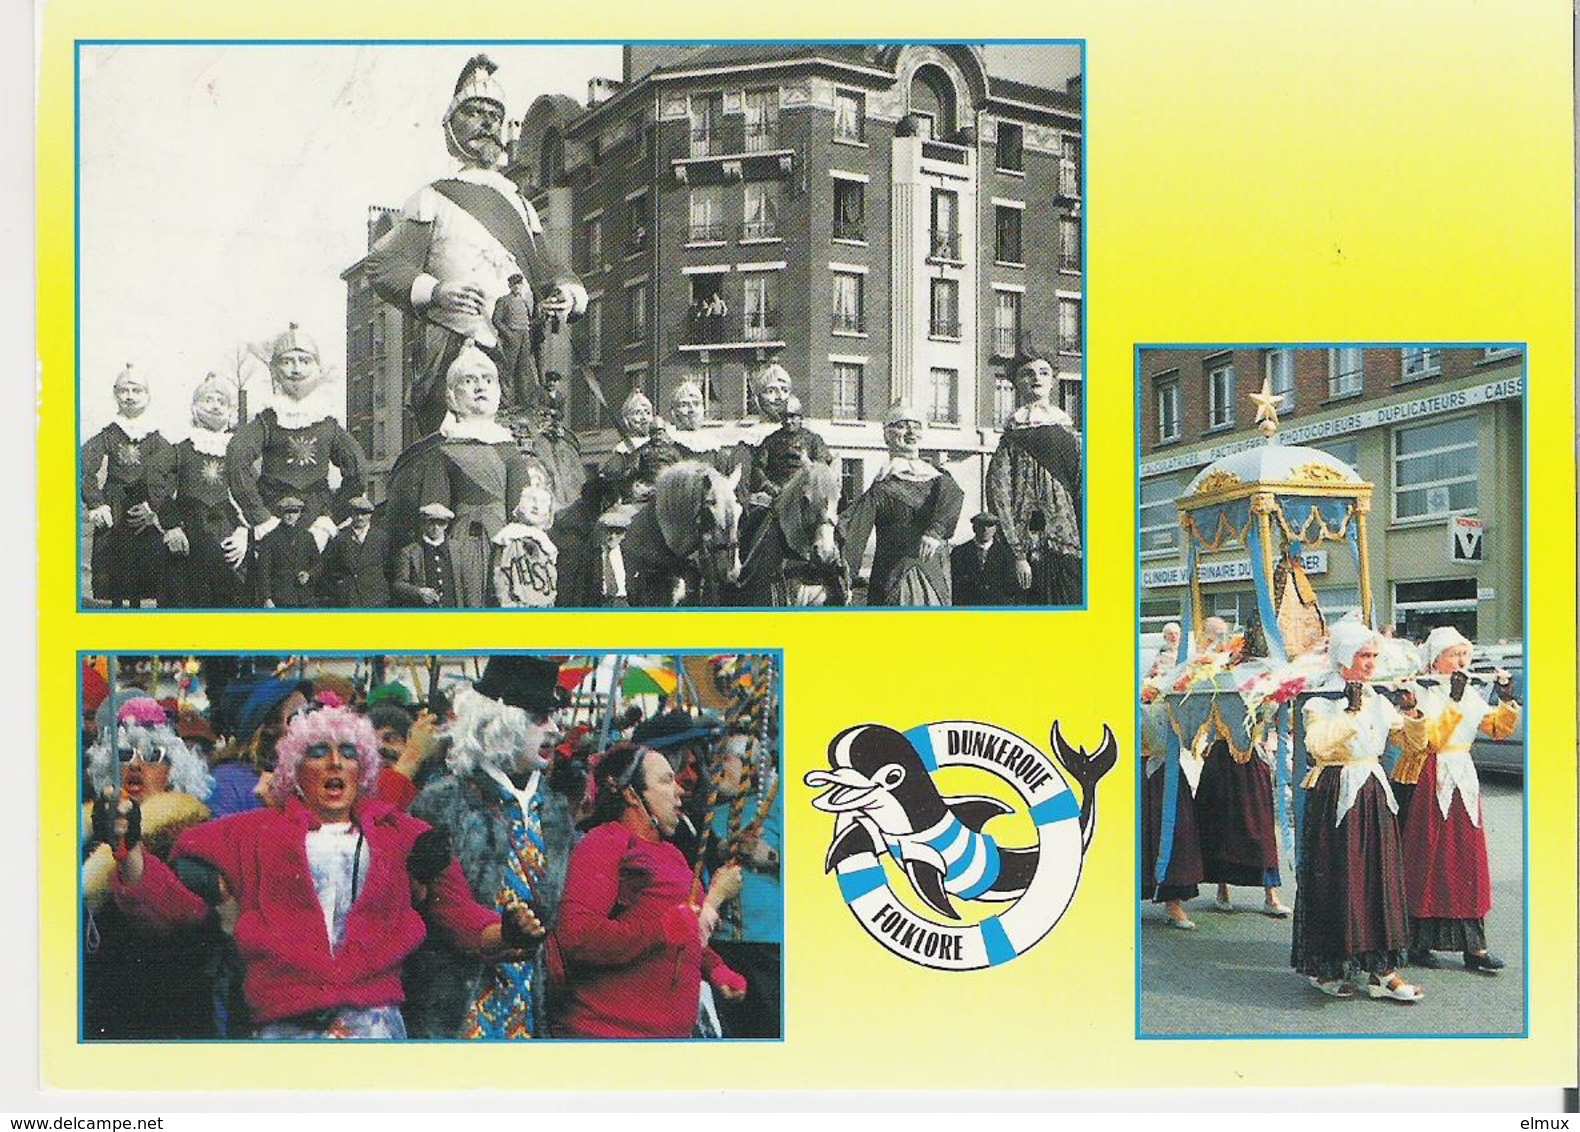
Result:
<point x="884" y="800"/>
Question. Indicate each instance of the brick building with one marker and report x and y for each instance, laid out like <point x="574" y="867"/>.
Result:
<point x="1438" y="431"/>
<point x="885" y="222"/>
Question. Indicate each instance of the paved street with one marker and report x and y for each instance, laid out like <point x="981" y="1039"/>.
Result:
<point x="1231" y="976"/>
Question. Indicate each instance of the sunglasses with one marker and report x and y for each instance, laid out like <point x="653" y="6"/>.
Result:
<point x="347" y="751"/>
<point x="156" y="753"/>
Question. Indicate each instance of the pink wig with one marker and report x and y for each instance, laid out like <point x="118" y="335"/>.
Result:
<point x="333" y="726"/>
<point x="144" y="711"/>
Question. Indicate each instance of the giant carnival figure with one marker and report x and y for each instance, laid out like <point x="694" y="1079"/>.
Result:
<point x="472" y="466"/>
<point x="286" y="451"/>
<point x="1034" y="486"/>
<point x="195" y="510"/>
<point x="460" y="241"/>
<point x="131" y="457"/>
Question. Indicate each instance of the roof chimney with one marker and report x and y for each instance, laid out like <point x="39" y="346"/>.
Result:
<point x="601" y="90"/>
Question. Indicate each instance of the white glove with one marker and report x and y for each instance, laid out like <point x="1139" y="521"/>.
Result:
<point x="262" y="529"/>
<point x="176" y="541"/>
<point x="235" y="547"/>
<point x="102" y="517"/>
<point x="322" y="530"/>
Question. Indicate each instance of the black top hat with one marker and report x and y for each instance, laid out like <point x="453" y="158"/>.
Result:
<point x="527" y="682"/>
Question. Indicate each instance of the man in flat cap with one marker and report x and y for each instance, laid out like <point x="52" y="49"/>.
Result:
<point x="459" y="241"/>
<point x="424" y="570"/>
<point x="289" y="567"/>
<point x="982" y="568"/>
<point x="356" y="562"/>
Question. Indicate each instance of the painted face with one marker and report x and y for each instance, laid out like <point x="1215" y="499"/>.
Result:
<point x="473" y="391"/>
<point x="773" y="396"/>
<point x="1035" y="380"/>
<point x="296" y="373"/>
<point x="904" y="438"/>
<point x="145" y="768"/>
<point x="542" y="734"/>
<point x="637" y="417"/>
<point x="475" y="127"/>
<point x="686" y="409"/>
<point x="211" y="409"/>
<point x="327" y="778"/>
<point x="662" y="795"/>
<point x="536" y="506"/>
<point x="1455" y="658"/>
<point x="1364" y="666"/>
<point x="131" y="397"/>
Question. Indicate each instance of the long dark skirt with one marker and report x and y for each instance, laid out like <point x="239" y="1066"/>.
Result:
<point x="1185" y="865"/>
<point x="1447" y="876"/>
<point x="1350" y="910"/>
<point x="1234" y="811"/>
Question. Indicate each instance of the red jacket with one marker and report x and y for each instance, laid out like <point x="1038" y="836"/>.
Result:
<point x="280" y="935"/>
<point x="634" y="960"/>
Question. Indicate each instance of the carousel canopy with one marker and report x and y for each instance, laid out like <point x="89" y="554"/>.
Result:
<point x="1279" y="468"/>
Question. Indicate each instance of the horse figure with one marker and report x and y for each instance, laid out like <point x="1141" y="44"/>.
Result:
<point x="683" y="545"/>
<point x="794" y="559"/>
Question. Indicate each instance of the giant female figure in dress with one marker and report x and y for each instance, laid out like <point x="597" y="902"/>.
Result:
<point x="1034" y="485"/>
<point x="910" y="510"/>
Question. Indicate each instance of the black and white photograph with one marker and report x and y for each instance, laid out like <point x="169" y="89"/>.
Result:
<point x="581" y="326"/>
<point x="1332" y="568"/>
<point x="431" y="847"/>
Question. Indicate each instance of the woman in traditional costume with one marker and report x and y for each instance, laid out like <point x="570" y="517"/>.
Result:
<point x="1350" y="921"/>
<point x="1034" y="489"/>
<point x="1447" y="878"/>
<point x="911" y="510"/>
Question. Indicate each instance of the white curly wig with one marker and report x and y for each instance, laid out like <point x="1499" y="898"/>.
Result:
<point x="486" y="732"/>
<point x="140" y="731"/>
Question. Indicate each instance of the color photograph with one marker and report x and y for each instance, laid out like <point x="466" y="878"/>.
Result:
<point x="472" y="848"/>
<point x="581" y="326"/>
<point x="1332" y="548"/>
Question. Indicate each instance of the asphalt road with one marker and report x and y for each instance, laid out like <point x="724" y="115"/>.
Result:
<point x="1231" y="976"/>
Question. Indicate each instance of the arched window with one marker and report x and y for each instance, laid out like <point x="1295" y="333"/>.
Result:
<point x="933" y="102"/>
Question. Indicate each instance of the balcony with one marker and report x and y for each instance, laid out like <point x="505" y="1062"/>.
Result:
<point x="709" y="232"/>
<point x="945" y="151"/>
<point x="710" y="161"/>
<point x="943" y="327"/>
<point x="763" y="228"/>
<point x="1069" y="188"/>
<point x="706" y="142"/>
<point x="1006" y="343"/>
<point x="761" y="137"/>
<point x="848" y="322"/>
<point x="758" y="329"/>
<point x="945" y="245"/>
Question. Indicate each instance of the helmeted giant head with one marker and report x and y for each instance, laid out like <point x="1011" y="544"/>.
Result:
<point x="131" y="393"/>
<point x="772" y="387"/>
<point x="294" y="363"/>
<point x="213" y="404"/>
<point x="636" y="415"/>
<point x="476" y="114"/>
<point x="686" y="406"/>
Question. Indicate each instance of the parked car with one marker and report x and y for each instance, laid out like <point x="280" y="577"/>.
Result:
<point x="1502" y="757"/>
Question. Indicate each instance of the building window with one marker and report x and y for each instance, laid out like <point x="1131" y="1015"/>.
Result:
<point x="1278" y="367"/>
<point x="946" y="225"/>
<point x="1434" y="469"/>
<point x="638" y="221"/>
<point x="945" y="400"/>
<point x="849" y="223"/>
<point x="551" y="160"/>
<point x="1069" y="326"/>
<point x="1346" y="371"/>
<point x="847" y="391"/>
<point x="1160" y="523"/>
<point x="945" y="319"/>
<point x="850" y="113"/>
<point x="1006" y="323"/>
<point x="850" y="481"/>
<point x="847" y="303"/>
<point x="1003" y="399"/>
<point x="1070" y="396"/>
<point x="592" y="243"/>
<point x="1070" y="166"/>
<point x="1069" y="244"/>
<point x="707" y="214"/>
<point x="1006" y="231"/>
<point x="1168" y="409"/>
<point x="1011" y="140"/>
<point x="762" y="120"/>
<point x="1420" y="607"/>
<point x="762" y="211"/>
<point x="1220" y="395"/>
<point x="761" y="307"/>
<point x="636" y="312"/>
<point x="592" y="323"/>
<point x="1419" y="362"/>
<point x="707" y="114"/>
<point x="1345" y="451"/>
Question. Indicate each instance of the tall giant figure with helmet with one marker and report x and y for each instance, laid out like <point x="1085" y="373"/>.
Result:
<point x="459" y="242"/>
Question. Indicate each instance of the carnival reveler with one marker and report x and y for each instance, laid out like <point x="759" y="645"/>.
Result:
<point x="511" y="829"/>
<point x="1350" y="918"/>
<point x="1034" y="487"/>
<point x="121" y="466"/>
<point x="322" y="946"/>
<point x="1447" y="877"/>
<point x="633" y="926"/>
<point x="459" y="243"/>
<point x="1183" y="873"/>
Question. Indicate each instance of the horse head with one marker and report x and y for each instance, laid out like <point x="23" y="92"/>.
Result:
<point x="720" y="524"/>
<point x="699" y="518"/>
<point x="807" y="511"/>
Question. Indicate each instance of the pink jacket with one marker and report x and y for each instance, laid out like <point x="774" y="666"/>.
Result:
<point x="280" y="936"/>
